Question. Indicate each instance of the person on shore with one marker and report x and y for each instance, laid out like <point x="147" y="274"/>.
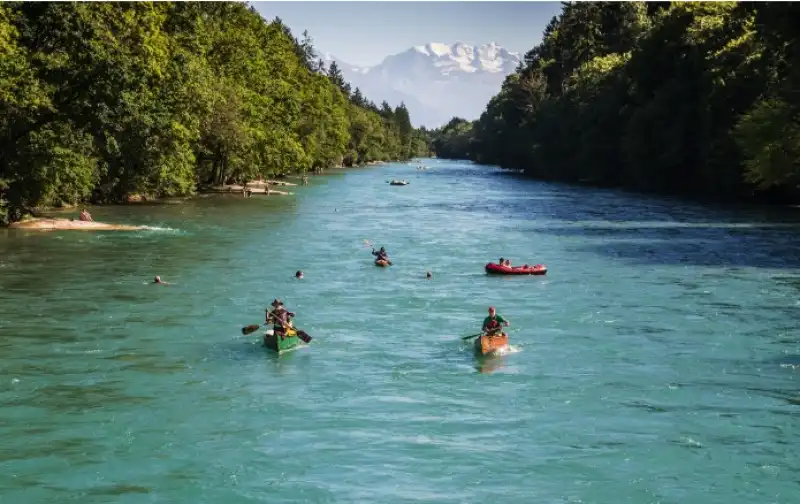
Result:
<point x="85" y="216"/>
<point x="298" y="275"/>
<point x="494" y="323"/>
<point x="280" y="317"/>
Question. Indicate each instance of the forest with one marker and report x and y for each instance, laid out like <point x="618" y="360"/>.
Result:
<point x="699" y="99"/>
<point x="101" y="101"/>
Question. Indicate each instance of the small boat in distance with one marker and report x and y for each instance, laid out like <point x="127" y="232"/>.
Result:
<point x="499" y="269"/>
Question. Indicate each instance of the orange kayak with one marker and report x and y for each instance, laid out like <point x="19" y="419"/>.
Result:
<point x="382" y="263"/>
<point x="486" y="345"/>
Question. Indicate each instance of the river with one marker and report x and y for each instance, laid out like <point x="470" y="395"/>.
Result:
<point x="657" y="362"/>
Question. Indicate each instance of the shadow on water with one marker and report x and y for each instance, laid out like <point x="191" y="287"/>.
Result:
<point x="749" y="252"/>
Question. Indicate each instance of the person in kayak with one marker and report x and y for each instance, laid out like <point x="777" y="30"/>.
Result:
<point x="381" y="255"/>
<point x="280" y="317"/>
<point x="494" y="323"/>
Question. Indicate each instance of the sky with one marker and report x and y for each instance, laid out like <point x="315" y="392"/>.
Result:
<point x="363" y="33"/>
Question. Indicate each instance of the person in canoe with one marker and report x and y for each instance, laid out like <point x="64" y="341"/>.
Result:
<point x="280" y="317"/>
<point x="494" y="323"/>
<point x="381" y="255"/>
<point x="85" y="216"/>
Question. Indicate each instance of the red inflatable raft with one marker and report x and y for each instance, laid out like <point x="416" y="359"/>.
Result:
<point x="496" y="269"/>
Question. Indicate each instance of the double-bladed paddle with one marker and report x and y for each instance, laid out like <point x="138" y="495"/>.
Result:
<point x="300" y="333"/>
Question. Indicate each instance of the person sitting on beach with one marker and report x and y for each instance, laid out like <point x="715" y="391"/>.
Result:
<point x="85" y="216"/>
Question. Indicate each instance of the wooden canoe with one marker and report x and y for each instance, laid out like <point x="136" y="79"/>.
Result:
<point x="487" y="345"/>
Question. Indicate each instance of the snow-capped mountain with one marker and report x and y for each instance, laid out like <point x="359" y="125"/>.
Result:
<point x="436" y="81"/>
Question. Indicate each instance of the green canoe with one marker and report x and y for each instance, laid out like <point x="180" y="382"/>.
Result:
<point x="282" y="345"/>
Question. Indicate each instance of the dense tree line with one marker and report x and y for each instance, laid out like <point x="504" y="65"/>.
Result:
<point x="99" y="101"/>
<point x="698" y="98"/>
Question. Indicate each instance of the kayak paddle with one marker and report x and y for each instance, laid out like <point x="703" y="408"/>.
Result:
<point x="471" y="336"/>
<point x="300" y="333"/>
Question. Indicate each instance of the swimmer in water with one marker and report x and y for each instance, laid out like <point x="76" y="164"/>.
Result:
<point x="429" y="275"/>
<point x="299" y="274"/>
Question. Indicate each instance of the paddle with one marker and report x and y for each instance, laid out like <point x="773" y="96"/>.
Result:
<point x="477" y="335"/>
<point x="300" y="333"/>
<point x="249" y="329"/>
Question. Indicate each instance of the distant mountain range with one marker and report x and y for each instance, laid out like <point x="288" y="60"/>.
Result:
<point x="436" y="81"/>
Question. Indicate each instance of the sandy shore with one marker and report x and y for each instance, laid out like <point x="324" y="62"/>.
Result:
<point x="70" y="225"/>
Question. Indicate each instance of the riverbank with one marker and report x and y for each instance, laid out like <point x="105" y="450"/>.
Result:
<point x="38" y="219"/>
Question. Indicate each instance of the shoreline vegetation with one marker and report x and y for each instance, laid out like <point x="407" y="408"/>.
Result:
<point x="690" y="99"/>
<point x="39" y="220"/>
<point x="114" y="103"/>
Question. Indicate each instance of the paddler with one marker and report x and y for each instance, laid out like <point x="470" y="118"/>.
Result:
<point x="381" y="254"/>
<point x="280" y="316"/>
<point x="494" y="323"/>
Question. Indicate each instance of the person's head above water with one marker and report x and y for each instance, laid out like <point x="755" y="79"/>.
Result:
<point x="157" y="279"/>
<point x="299" y="274"/>
<point x="429" y="275"/>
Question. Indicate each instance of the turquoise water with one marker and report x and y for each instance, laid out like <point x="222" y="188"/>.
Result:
<point x="657" y="362"/>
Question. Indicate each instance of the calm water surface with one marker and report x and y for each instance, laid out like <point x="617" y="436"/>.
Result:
<point x="657" y="361"/>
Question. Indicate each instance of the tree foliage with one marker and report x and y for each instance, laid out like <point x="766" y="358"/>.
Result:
<point x="102" y="100"/>
<point x="697" y="98"/>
